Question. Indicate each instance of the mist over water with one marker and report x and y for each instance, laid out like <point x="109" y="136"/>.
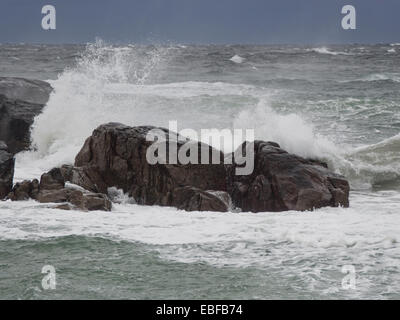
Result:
<point x="337" y="103"/>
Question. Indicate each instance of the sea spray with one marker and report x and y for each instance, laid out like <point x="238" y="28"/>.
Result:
<point x="291" y="131"/>
<point x="83" y="99"/>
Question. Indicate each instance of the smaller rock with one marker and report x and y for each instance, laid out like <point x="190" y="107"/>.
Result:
<point x="54" y="196"/>
<point x="65" y="206"/>
<point x="194" y="199"/>
<point x="52" y="180"/>
<point x="340" y="190"/>
<point x="24" y="190"/>
<point x="75" y="199"/>
<point x="90" y="201"/>
<point x="3" y="146"/>
<point x="52" y="189"/>
<point x="81" y="177"/>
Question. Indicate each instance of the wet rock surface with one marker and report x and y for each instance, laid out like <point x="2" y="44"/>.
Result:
<point x="282" y="181"/>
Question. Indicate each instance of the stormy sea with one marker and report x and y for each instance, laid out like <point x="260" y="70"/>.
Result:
<point x="339" y="104"/>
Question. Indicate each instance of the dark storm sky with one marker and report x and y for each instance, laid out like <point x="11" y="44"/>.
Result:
<point x="200" y="21"/>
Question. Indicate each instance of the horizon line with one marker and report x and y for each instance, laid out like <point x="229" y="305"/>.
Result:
<point x="202" y="43"/>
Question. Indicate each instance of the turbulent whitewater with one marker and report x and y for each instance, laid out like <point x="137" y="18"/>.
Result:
<point x="339" y="104"/>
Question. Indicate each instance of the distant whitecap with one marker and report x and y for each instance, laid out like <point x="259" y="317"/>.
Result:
<point x="237" y="59"/>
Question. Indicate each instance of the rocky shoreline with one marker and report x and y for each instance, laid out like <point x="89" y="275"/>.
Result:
<point x="115" y="156"/>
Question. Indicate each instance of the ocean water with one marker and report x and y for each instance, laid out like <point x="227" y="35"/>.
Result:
<point x="337" y="103"/>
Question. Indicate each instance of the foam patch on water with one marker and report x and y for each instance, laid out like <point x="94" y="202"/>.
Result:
<point x="237" y="59"/>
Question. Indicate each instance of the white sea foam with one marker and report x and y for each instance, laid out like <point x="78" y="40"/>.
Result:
<point x="293" y="242"/>
<point x="162" y="225"/>
<point x="237" y="59"/>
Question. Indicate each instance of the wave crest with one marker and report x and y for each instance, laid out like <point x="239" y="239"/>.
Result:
<point x="325" y="50"/>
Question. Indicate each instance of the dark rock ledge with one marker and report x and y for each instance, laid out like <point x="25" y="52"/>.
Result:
<point x="52" y="189"/>
<point x="21" y="100"/>
<point x="7" y="162"/>
<point x="115" y="156"/>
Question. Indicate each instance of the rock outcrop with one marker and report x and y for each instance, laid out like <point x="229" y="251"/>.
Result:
<point x="16" y="118"/>
<point x="7" y="162"/>
<point x="20" y="101"/>
<point x="115" y="156"/>
<point x="282" y="181"/>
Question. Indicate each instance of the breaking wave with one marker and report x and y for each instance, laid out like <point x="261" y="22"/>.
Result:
<point x="376" y="165"/>
<point x="325" y="50"/>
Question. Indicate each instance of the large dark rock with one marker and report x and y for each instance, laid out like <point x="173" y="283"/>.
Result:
<point x="32" y="91"/>
<point x="282" y="181"/>
<point x="7" y="162"/>
<point x="115" y="156"/>
<point x="16" y="118"/>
